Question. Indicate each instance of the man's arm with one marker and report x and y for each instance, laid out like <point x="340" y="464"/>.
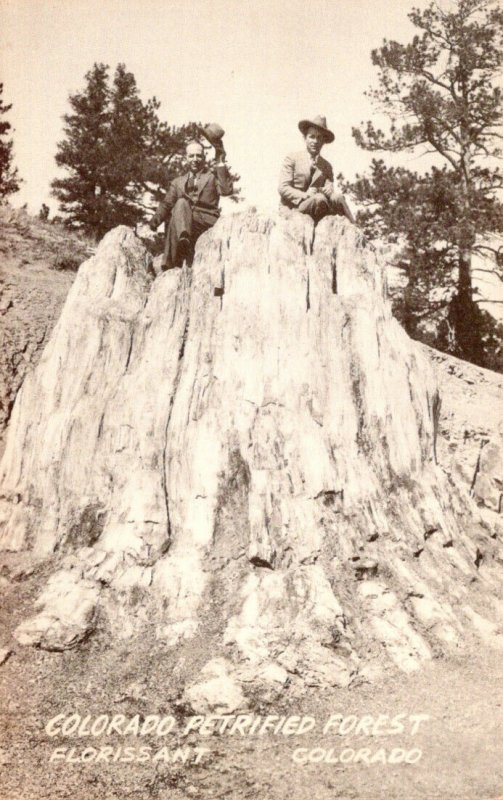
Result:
<point x="286" y="188"/>
<point x="337" y="198"/>
<point x="328" y="187"/>
<point x="224" y="181"/>
<point x="164" y="208"/>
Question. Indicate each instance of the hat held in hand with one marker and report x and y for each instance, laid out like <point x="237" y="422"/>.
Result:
<point x="214" y="134"/>
<point x="321" y="124"/>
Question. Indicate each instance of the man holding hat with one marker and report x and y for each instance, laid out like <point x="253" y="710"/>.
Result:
<point x="306" y="180"/>
<point x="192" y="200"/>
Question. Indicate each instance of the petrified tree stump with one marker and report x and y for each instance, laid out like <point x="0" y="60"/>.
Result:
<point x="266" y="451"/>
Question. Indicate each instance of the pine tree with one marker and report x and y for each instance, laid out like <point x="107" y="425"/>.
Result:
<point x="441" y="95"/>
<point x="9" y="179"/>
<point x="119" y="155"/>
<point x="84" y="154"/>
<point x="130" y="142"/>
<point x="110" y="137"/>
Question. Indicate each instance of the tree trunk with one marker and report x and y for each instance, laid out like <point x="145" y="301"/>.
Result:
<point x="465" y="313"/>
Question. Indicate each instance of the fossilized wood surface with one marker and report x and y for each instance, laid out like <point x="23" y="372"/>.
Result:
<point x="264" y="455"/>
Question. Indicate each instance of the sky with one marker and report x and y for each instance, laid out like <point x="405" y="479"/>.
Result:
<point x="256" y="67"/>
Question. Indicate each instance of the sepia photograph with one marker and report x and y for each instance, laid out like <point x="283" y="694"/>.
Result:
<point x="251" y="400"/>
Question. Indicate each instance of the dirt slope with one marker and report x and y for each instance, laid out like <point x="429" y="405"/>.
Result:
<point x="37" y="268"/>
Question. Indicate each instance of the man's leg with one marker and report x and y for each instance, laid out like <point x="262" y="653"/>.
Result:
<point x="316" y="206"/>
<point x="179" y="234"/>
<point x="201" y="222"/>
<point x="339" y="206"/>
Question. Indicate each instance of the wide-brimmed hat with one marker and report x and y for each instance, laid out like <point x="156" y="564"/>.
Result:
<point x="317" y="122"/>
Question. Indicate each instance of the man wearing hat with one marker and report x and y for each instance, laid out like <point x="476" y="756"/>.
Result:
<point x="192" y="200"/>
<point x="306" y="180"/>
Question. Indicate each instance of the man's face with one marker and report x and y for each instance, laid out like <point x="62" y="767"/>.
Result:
<point x="314" y="141"/>
<point x="195" y="157"/>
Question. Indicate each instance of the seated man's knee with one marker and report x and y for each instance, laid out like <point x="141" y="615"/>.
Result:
<point x="181" y="211"/>
<point x="317" y="207"/>
<point x="181" y="204"/>
<point x="321" y="204"/>
<point x="316" y="203"/>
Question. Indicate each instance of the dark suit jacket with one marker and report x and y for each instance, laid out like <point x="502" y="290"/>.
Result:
<point x="295" y="178"/>
<point x="211" y="185"/>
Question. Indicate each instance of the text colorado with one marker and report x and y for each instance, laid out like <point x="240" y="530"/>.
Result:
<point x="364" y="755"/>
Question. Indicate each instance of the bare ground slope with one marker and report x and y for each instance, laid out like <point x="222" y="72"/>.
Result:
<point x="37" y="268"/>
<point x="460" y="740"/>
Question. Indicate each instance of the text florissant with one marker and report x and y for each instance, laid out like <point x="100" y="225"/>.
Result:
<point x="125" y="755"/>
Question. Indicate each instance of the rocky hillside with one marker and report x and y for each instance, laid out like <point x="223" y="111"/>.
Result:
<point x="38" y="262"/>
<point x="470" y="440"/>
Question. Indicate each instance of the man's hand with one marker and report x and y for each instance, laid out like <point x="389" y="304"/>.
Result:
<point x="336" y="197"/>
<point x="330" y="194"/>
<point x="312" y="191"/>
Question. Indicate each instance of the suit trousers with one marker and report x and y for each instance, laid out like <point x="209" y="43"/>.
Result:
<point x="319" y="206"/>
<point x="186" y="224"/>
